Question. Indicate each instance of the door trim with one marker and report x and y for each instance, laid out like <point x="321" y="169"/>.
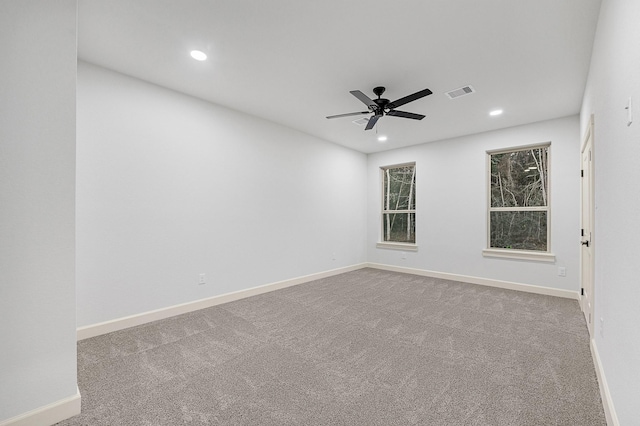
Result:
<point x="588" y="310"/>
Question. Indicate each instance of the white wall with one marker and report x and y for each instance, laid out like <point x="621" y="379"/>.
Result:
<point x="451" y="204"/>
<point x="37" y="178"/>
<point x="169" y="186"/>
<point x="614" y="76"/>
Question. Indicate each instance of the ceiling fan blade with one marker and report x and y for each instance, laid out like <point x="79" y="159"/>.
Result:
<point x="372" y="122"/>
<point x="349" y="114"/>
<point x="410" y="98"/>
<point x="404" y="114"/>
<point x="363" y="98"/>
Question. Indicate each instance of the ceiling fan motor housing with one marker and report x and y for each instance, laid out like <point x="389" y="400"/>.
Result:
<point x="380" y="102"/>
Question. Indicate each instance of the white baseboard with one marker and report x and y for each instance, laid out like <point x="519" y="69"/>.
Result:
<point x="49" y="414"/>
<point x="607" y="402"/>
<point x="158" y="314"/>
<point x="93" y="330"/>
<point x="481" y="281"/>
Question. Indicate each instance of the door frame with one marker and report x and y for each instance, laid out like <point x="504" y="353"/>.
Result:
<point x="588" y="287"/>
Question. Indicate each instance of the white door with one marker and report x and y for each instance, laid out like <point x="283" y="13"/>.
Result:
<point x="587" y="212"/>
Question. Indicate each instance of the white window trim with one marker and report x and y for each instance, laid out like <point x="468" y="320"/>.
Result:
<point x="397" y="246"/>
<point x="393" y="245"/>
<point x="531" y="255"/>
<point x="537" y="256"/>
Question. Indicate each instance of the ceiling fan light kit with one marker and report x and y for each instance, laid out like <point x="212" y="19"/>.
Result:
<point x="380" y="107"/>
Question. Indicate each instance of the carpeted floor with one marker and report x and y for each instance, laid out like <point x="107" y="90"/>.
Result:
<point x="367" y="347"/>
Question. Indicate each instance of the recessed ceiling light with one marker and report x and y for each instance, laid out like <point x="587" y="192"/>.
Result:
<point x="496" y="112"/>
<point x="198" y="55"/>
<point x="382" y="138"/>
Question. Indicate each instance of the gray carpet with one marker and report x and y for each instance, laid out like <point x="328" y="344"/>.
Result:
<point x="368" y="347"/>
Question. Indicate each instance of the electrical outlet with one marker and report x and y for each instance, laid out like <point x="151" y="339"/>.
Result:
<point x="333" y="256"/>
<point x="601" y="327"/>
<point x="403" y="255"/>
<point x="201" y="279"/>
<point x="562" y="271"/>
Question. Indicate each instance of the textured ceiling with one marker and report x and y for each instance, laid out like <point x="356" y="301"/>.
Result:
<point x="294" y="62"/>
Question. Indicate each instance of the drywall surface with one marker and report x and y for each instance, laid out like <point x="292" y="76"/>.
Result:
<point x="613" y="78"/>
<point x="170" y="187"/>
<point x="451" y="200"/>
<point x="37" y="190"/>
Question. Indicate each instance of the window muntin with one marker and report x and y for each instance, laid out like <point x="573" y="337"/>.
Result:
<point x="519" y="199"/>
<point x="399" y="204"/>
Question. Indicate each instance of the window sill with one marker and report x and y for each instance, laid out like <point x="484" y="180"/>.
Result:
<point x="397" y="246"/>
<point x="535" y="256"/>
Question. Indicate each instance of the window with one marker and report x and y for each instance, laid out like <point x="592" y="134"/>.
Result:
<point x="399" y="204"/>
<point x="518" y="207"/>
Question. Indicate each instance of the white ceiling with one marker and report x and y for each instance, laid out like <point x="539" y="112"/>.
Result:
<point x="294" y="62"/>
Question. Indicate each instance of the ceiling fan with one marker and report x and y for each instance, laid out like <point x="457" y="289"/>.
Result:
<point x="381" y="107"/>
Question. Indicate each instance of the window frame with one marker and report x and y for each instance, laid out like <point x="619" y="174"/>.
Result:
<point x="532" y="255"/>
<point x="395" y="245"/>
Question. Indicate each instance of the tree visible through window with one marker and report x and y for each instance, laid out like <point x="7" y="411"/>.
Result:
<point x="519" y="200"/>
<point x="399" y="203"/>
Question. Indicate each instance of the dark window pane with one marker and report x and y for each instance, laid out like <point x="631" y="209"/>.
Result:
<point x="399" y="227"/>
<point x="523" y="230"/>
<point x="519" y="178"/>
<point x="399" y="188"/>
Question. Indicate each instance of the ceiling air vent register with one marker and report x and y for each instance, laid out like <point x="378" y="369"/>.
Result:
<point x="361" y="121"/>
<point x="462" y="91"/>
